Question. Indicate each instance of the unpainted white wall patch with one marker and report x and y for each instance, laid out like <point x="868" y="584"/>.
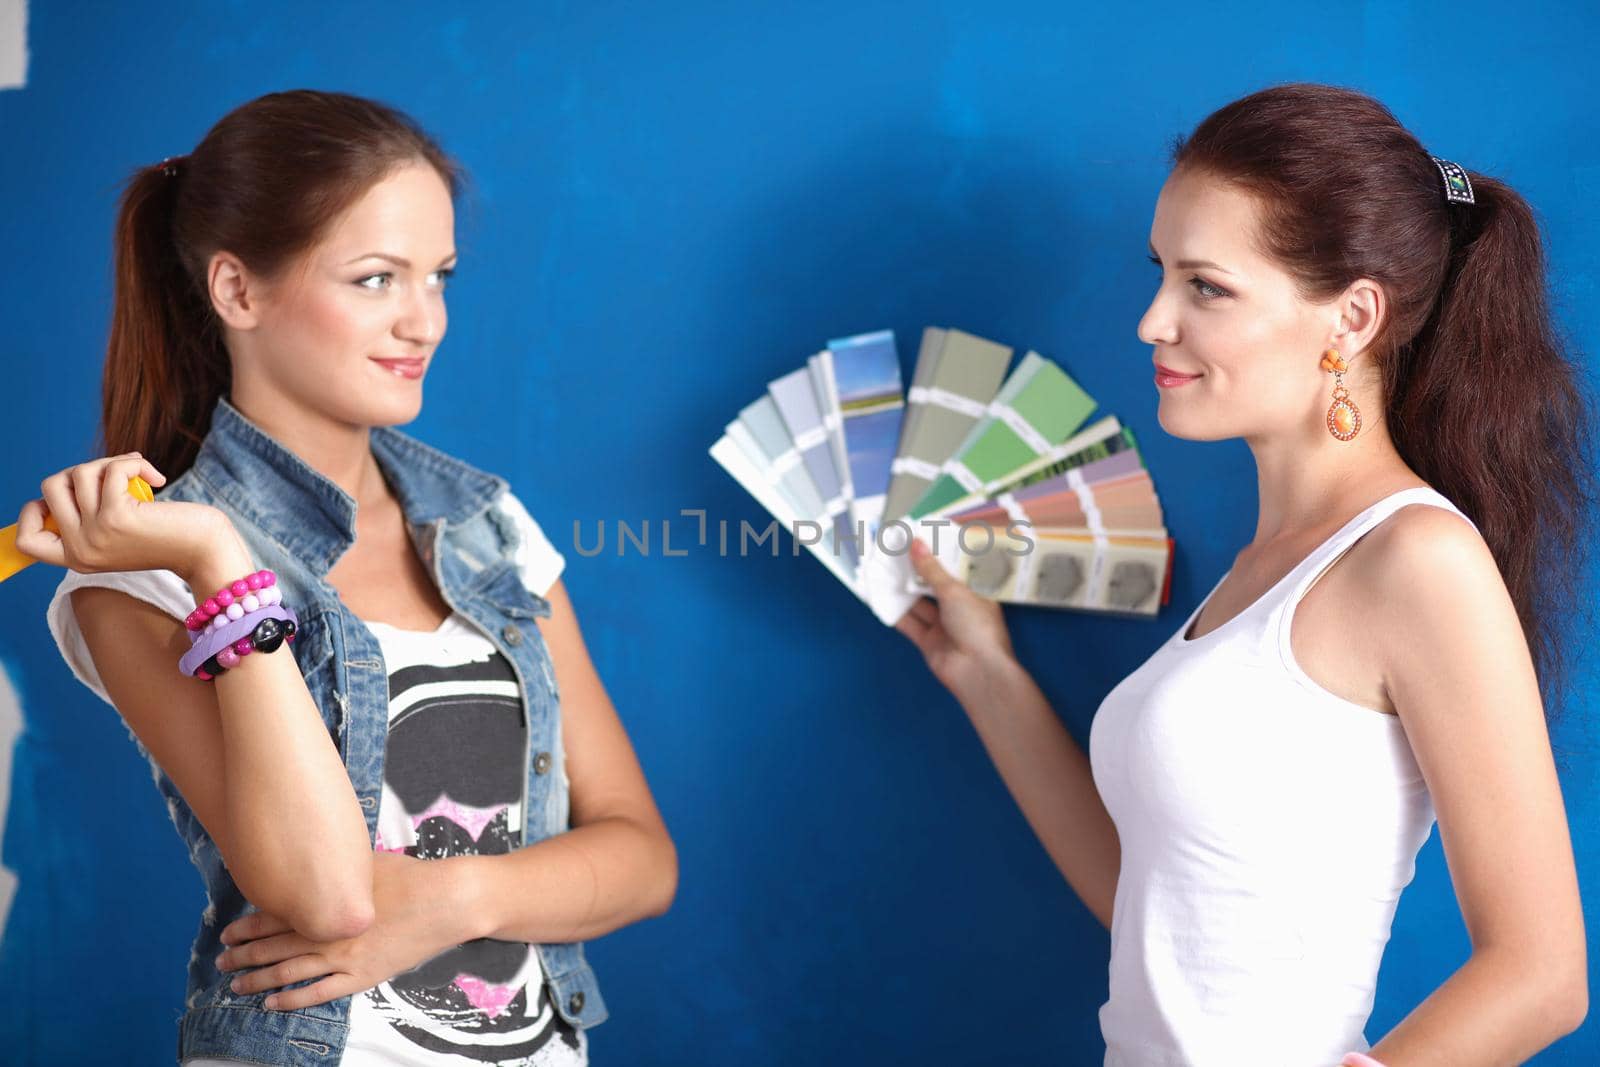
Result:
<point x="10" y="730"/>
<point x="13" y="44"/>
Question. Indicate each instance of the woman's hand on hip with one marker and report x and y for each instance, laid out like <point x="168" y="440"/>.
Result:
<point x="415" y="921"/>
<point x="962" y="635"/>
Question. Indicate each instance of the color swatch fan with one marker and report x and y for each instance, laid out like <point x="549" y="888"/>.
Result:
<point x="995" y="471"/>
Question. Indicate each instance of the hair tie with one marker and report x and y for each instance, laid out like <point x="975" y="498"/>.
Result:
<point x="1457" y="186"/>
<point x="170" y="165"/>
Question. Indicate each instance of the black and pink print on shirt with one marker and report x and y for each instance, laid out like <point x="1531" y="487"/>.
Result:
<point x="453" y="777"/>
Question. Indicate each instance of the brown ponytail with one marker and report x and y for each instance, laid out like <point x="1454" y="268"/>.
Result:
<point x="264" y="184"/>
<point x="1480" y="399"/>
<point x="165" y="367"/>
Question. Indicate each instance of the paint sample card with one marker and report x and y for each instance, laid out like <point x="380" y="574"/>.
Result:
<point x="796" y="400"/>
<point x="1107" y="437"/>
<point x="957" y="376"/>
<point x="1104" y="437"/>
<point x="766" y="428"/>
<point x="866" y="380"/>
<point x="758" y="483"/>
<point x="760" y="433"/>
<point x="820" y="370"/>
<point x="1038" y="408"/>
<point x="1114" y="492"/>
<point x="1070" y="569"/>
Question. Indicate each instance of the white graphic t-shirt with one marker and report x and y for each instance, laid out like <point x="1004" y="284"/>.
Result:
<point x="453" y="774"/>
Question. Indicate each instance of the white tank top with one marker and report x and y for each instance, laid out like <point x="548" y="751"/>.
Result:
<point x="1267" y="829"/>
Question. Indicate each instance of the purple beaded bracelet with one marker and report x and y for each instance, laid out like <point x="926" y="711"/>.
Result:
<point x="223" y="641"/>
<point x="268" y="636"/>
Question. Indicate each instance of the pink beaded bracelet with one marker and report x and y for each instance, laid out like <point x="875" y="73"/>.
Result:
<point x="234" y="601"/>
<point x="1358" y="1059"/>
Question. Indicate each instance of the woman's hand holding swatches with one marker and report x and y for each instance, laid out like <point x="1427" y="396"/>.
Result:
<point x="962" y="635"/>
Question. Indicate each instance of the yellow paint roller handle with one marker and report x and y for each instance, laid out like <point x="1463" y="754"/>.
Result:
<point x="12" y="560"/>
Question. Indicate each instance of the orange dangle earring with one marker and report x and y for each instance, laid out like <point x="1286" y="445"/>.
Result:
<point x="1344" y="418"/>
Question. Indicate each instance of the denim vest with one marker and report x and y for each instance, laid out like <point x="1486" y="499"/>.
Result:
<point x="298" y="523"/>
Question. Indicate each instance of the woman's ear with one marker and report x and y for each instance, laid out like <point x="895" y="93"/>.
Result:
<point x="235" y="292"/>
<point x="1361" y="312"/>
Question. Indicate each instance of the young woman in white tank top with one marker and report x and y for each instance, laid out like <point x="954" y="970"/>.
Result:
<point x="1255" y="794"/>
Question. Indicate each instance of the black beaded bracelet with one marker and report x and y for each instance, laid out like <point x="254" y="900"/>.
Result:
<point x="268" y="636"/>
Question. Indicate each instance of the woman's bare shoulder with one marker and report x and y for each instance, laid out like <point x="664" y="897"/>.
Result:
<point x="1425" y="567"/>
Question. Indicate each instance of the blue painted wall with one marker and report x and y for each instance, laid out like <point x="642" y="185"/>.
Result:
<point x="675" y="204"/>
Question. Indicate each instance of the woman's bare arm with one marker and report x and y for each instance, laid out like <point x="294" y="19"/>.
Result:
<point x="249" y="753"/>
<point x="617" y="864"/>
<point x="1463" y="682"/>
<point x="1048" y="776"/>
<point x="963" y="638"/>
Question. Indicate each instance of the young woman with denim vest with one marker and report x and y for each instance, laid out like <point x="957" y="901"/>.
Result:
<point x="1255" y="794"/>
<point x="410" y="816"/>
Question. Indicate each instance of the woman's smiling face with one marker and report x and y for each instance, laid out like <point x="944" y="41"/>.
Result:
<point x="351" y="328"/>
<point x="1230" y="315"/>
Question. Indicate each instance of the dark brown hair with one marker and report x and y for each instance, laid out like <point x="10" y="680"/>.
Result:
<point x="264" y="184"/>
<point x="1479" y="397"/>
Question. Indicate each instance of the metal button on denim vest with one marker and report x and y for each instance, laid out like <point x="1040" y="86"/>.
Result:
<point x="298" y="523"/>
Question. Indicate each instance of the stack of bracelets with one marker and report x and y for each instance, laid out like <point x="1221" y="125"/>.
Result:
<point x="247" y="616"/>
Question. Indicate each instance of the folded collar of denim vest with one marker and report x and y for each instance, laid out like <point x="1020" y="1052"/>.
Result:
<point x="255" y="474"/>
